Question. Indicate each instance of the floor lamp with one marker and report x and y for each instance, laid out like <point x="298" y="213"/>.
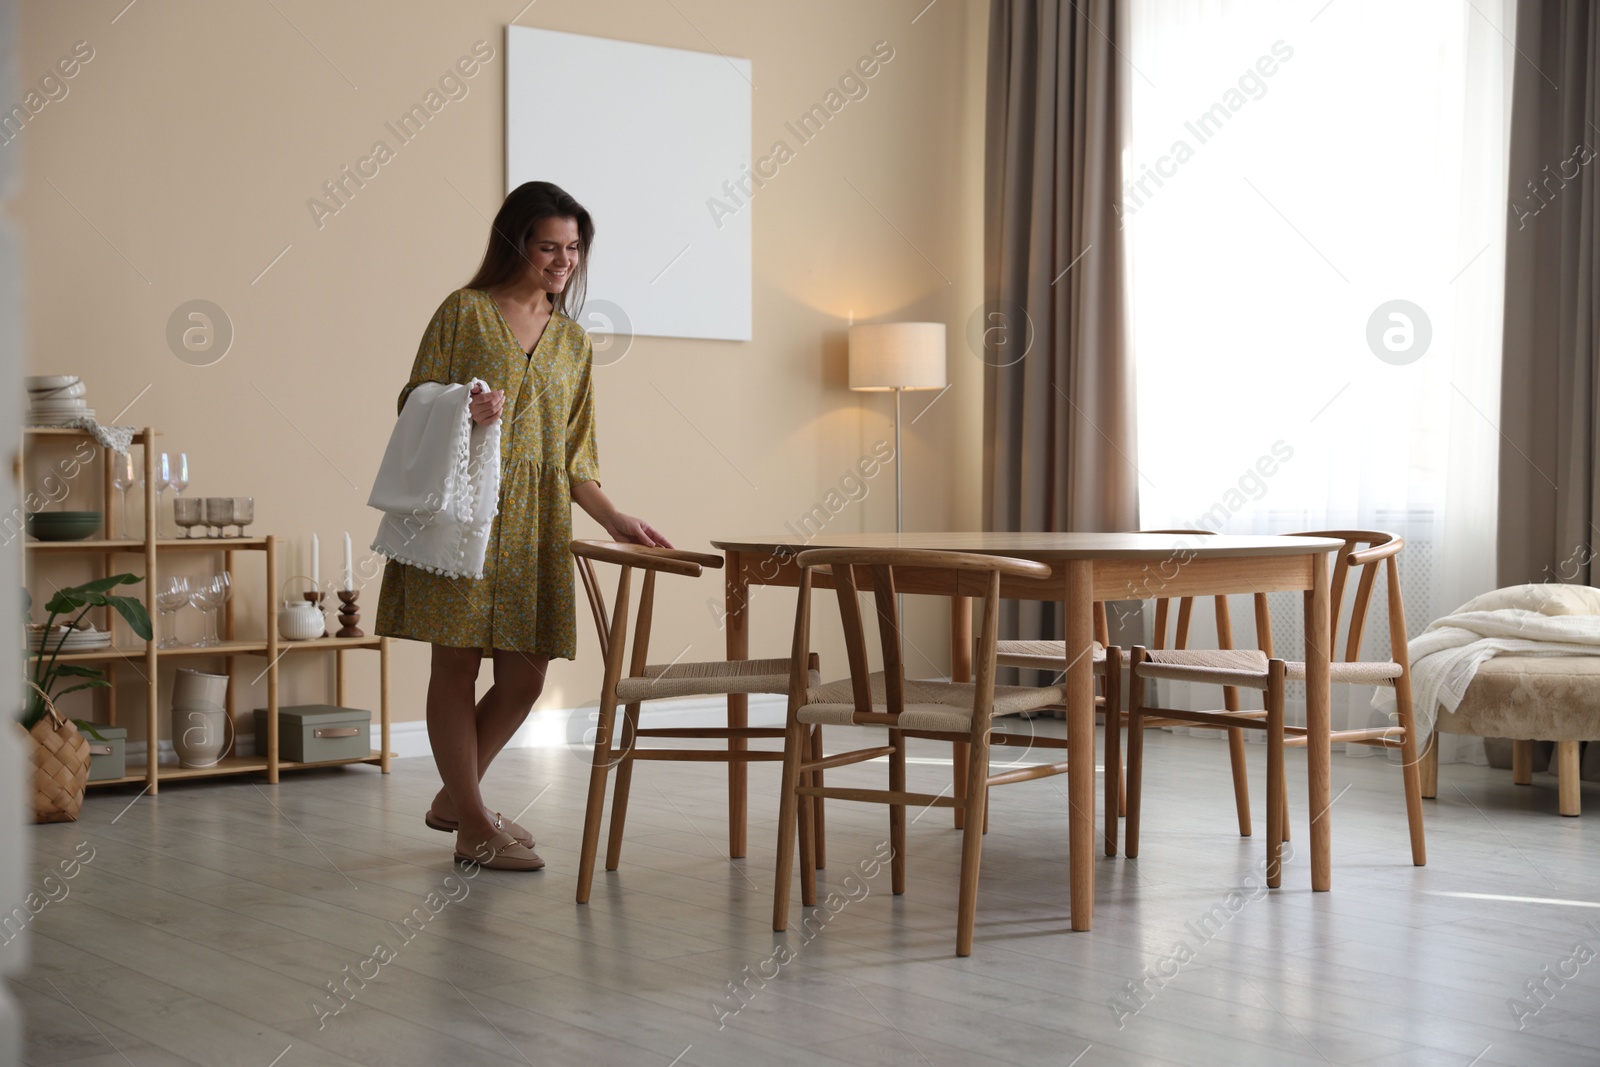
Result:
<point x="897" y="356"/>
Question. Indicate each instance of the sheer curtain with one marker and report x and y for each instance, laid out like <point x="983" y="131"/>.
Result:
<point x="1316" y="215"/>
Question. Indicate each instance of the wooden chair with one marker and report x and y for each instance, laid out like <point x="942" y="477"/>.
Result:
<point x="941" y="711"/>
<point x="1261" y="670"/>
<point x="1050" y="655"/>
<point x="646" y="681"/>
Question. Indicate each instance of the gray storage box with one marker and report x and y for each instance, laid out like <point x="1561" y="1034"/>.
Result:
<point x="108" y="758"/>
<point x="311" y="733"/>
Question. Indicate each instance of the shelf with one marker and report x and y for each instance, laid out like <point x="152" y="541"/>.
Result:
<point x="72" y="431"/>
<point x="194" y="544"/>
<point x="228" y="765"/>
<point x="226" y="648"/>
<point x="370" y="641"/>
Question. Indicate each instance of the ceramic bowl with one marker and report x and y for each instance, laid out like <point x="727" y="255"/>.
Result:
<point x="65" y="392"/>
<point x="51" y="381"/>
<point x="64" y="525"/>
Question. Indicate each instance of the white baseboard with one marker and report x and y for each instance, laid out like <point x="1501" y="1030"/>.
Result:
<point x="547" y="728"/>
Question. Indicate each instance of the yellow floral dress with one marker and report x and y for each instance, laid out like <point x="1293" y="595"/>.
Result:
<point x="524" y="601"/>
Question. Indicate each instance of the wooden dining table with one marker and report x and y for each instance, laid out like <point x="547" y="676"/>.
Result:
<point x="1086" y="568"/>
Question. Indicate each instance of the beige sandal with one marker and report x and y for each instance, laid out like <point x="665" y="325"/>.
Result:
<point x="502" y="852"/>
<point x="450" y="826"/>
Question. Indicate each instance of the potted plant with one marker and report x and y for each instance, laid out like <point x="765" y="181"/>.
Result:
<point x="60" y="756"/>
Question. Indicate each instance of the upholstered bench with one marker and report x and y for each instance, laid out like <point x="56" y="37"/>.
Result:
<point x="1528" y="699"/>
<point x="1531" y="698"/>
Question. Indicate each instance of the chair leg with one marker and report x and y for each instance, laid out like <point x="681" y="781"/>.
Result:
<point x="1430" y="767"/>
<point x="1241" y="780"/>
<point x="808" y="846"/>
<point x="819" y="836"/>
<point x="958" y="780"/>
<point x="1411" y="774"/>
<point x="1113" y="753"/>
<point x="597" y="794"/>
<point x="972" y="844"/>
<point x="1122" y="788"/>
<point x="1276" y="791"/>
<point x="793" y="751"/>
<point x="623" y="772"/>
<point x="1567" y="781"/>
<point x="897" y="814"/>
<point x="1130" y="832"/>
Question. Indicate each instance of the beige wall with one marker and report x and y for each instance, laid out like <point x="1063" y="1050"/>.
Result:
<point x="184" y="153"/>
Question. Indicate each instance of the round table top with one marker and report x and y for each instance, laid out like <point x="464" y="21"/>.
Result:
<point x="1045" y="547"/>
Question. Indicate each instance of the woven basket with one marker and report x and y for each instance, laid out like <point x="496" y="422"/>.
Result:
<point x="60" y="767"/>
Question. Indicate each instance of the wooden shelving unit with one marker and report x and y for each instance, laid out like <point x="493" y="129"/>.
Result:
<point x="112" y="550"/>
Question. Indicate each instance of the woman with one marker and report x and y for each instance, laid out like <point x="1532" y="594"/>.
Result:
<point x="511" y="327"/>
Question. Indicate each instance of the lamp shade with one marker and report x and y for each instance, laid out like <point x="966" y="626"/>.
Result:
<point x="897" y="355"/>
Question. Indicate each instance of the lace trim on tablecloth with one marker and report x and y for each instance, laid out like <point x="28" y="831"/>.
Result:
<point x="116" y="438"/>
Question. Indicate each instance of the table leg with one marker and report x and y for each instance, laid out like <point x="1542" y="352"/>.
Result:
<point x="1319" y="700"/>
<point x="960" y="671"/>
<point x="737" y="622"/>
<point x="1078" y="604"/>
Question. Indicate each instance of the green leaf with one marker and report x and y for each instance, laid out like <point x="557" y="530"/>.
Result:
<point x="86" y="727"/>
<point x="77" y="670"/>
<point x="133" y="613"/>
<point x="98" y="683"/>
<point x="91" y="593"/>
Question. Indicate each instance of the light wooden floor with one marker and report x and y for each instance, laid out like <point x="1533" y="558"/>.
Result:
<point x="211" y="918"/>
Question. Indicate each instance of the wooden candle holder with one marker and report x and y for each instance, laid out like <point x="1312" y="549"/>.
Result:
<point x="348" y="615"/>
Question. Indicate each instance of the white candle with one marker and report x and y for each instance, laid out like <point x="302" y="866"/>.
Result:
<point x="316" y="569"/>
<point x="349" y="573"/>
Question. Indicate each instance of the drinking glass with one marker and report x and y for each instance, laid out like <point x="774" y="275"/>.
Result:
<point x="243" y="512"/>
<point x="208" y="595"/>
<point x="188" y="513"/>
<point x="180" y="473"/>
<point x="219" y="513"/>
<point x="122" y="478"/>
<point x="224" y="592"/>
<point x="171" y="595"/>
<point x="163" y="478"/>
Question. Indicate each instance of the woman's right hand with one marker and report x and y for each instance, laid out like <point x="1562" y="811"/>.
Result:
<point x="487" y="405"/>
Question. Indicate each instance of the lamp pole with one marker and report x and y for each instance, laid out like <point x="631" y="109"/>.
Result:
<point x="899" y="494"/>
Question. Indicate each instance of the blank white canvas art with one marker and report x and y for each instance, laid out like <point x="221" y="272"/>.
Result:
<point x="643" y="137"/>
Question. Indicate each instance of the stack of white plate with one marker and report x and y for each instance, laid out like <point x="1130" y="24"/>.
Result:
<point x="81" y="640"/>
<point x="55" y="399"/>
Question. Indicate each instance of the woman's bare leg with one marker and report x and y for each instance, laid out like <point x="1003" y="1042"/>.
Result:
<point x="453" y="734"/>
<point x="518" y="681"/>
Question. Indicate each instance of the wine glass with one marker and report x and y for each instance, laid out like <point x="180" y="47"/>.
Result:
<point x="219" y="513"/>
<point x="208" y="594"/>
<point x="122" y="478"/>
<point x="188" y="513"/>
<point x="163" y="478"/>
<point x="243" y="512"/>
<point x="171" y="595"/>
<point x="224" y="592"/>
<point x="180" y="473"/>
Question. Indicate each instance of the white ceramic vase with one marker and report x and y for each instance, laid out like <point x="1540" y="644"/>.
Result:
<point x="199" y="717"/>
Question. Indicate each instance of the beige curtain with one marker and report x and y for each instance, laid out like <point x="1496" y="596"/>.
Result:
<point x="1058" y="386"/>
<point x="1550" y="391"/>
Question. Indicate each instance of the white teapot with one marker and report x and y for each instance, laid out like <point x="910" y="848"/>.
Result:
<point x="300" y="620"/>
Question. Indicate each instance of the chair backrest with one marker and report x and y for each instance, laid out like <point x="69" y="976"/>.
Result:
<point x="612" y="626"/>
<point x="1356" y="563"/>
<point x="879" y="565"/>
<point x="1185" y="609"/>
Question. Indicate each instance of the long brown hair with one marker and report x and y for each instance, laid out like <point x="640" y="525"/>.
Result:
<point x="506" y="258"/>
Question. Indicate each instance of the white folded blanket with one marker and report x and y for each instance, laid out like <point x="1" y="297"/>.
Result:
<point x="439" y="483"/>
<point x="1446" y="656"/>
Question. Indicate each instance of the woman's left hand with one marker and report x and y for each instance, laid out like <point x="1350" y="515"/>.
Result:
<point x="629" y="530"/>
